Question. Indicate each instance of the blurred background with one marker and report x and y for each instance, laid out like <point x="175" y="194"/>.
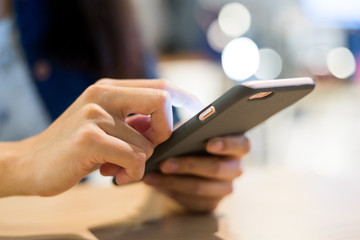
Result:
<point x="206" y="46"/>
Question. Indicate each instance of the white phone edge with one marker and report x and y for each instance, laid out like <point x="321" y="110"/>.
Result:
<point x="256" y="84"/>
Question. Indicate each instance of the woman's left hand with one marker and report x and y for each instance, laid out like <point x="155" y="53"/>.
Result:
<point x="200" y="182"/>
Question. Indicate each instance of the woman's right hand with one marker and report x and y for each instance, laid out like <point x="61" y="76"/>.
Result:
<point x="95" y="132"/>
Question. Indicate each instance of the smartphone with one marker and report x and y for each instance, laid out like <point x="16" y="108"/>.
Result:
<point x="238" y="110"/>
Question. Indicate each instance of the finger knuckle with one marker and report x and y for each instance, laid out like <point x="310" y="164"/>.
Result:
<point x="104" y="81"/>
<point x="87" y="134"/>
<point x="143" y="150"/>
<point x="138" y="161"/>
<point x="139" y="174"/>
<point x="93" y="111"/>
<point x="136" y="173"/>
<point x="93" y="92"/>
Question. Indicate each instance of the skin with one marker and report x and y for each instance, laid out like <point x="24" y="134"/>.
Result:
<point x="93" y="132"/>
<point x="55" y="160"/>
<point x="96" y="132"/>
<point x="200" y="183"/>
<point x="197" y="183"/>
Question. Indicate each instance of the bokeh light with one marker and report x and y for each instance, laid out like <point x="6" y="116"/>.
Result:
<point x="240" y="59"/>
<point x="341" y="62"/>
<point x="211" y="5"/>
<point x="314" y="60"/>
<point x="333" y="13"/>
<point x="216" y="38"/>
<point x="270" y="64"/>
<point x="234" y="19"/>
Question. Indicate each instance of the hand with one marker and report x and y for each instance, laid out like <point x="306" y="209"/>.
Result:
<point x="94" y="131"/>
<point x="200" y="182"/>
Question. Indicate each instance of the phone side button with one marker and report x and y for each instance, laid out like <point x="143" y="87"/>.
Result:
<point x="207" y="113"/>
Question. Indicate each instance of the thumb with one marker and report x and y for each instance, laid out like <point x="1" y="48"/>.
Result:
<point x="140" y="123"/>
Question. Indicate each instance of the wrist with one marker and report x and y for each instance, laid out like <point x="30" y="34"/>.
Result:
<point x="8" y="169"/>
<point x="14" y="169"/>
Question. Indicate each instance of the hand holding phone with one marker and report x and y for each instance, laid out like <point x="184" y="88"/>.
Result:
<point x="235" y="112"/>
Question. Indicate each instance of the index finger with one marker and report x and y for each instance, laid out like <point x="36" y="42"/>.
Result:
<point x="179" y="97"/>
<point x="144" y="101"/>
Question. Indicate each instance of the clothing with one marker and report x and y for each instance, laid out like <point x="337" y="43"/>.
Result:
<point x="22" y="113"/>
<point x="53" y="87"/>
<point x="62" y="85"/>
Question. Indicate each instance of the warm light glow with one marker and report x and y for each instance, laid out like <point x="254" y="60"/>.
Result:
<point x="234" y="19"/>
<point x="240" y="59"/>
<point x="216" y="38"/>
<point x="341" y="62"/>
<point x="270" y="64"/>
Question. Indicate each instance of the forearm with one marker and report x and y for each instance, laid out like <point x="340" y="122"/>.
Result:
<point x="10" y="170"/>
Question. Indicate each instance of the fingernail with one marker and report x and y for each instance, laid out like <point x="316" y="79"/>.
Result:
<point x="152" y="180"/>
<point x="170" y="166"/>
<point x="216" y="145"/>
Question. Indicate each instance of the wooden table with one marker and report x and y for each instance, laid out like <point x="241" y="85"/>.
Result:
<point x="268" y="203"/>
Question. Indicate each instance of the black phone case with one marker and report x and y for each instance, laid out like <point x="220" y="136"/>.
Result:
<point x="235" y="114"/>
